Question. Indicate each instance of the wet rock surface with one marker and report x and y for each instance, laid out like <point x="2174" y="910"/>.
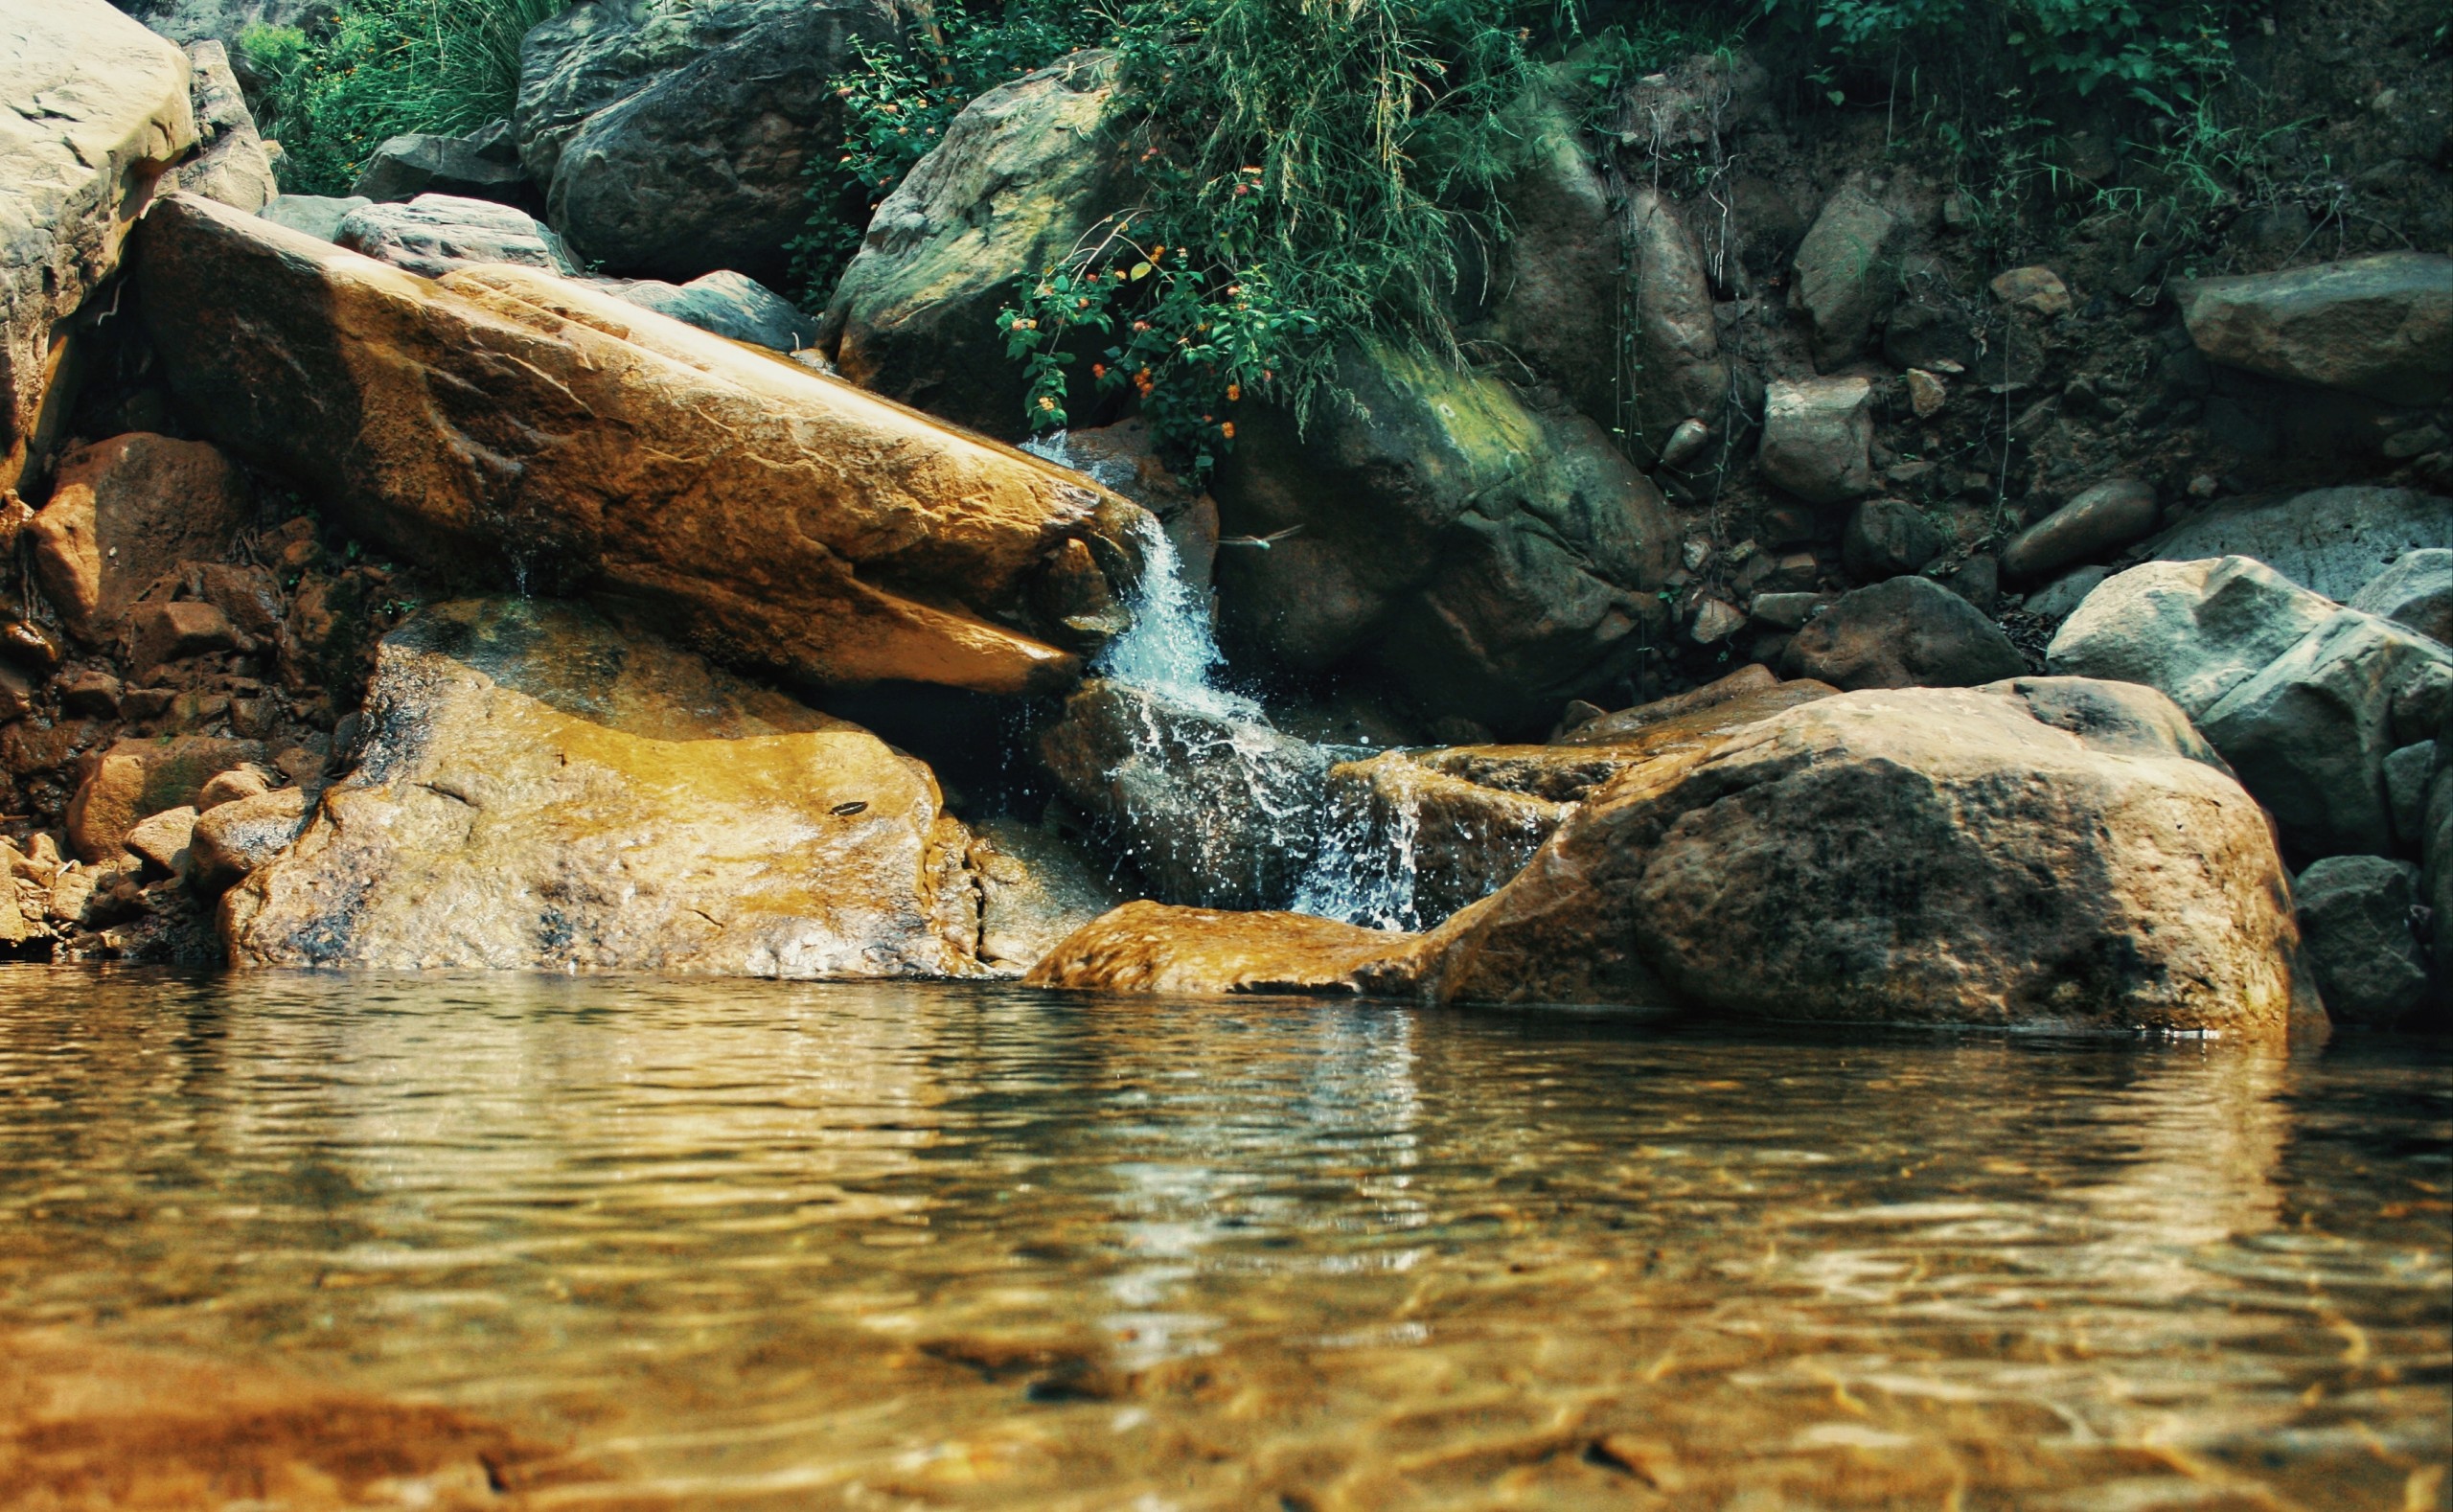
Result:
<point x="1153" y="948"/>
<point x="537" y="791"/>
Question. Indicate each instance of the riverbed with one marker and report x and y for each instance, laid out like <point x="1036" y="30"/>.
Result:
<point x="738" y="1244"/>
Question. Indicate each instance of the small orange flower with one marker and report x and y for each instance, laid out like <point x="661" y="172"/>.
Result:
<point x="1227" y="431"/>
<point x="1045" y="402"/>
<point x="1234" y="392"/>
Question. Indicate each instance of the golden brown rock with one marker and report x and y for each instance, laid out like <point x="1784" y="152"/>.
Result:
<point x="1035" y="889"/>
<point x="137" y="779"/>
<point x="527" y="425"/>
<point x="1916" y="855"/>
<point x="123" y="513"/>
<point x="1157" y="948"/>
<point x="537" y="791"/>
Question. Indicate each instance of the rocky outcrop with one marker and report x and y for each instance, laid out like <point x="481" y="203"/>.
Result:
<point x="2306" y="700"/>
<point x="1817" y="438"/>
<point x="2099" y="521"/>
<point x="1209" y="804"/>
<point x="2194" y="630"/>
<point x="537" y="791"/>
<point x="675" y="141"/>
<point x="2355" y="915"/>
<point x="1200" y="952"/>
<point x="1912" y="855"/>
<point x="1023" y="172"/>
<point x="136" y="779"/>
<point x="434" y="234"/>
<point x="2332" y="540"/>
<point x="503" y="420"/>
<point x="230" y="164"/>
<point x="113" y="114"/>
<point x="2415" y="591"/>
<point x="124" y="512"/>
<point x="1491" y="561"/>
<point x="1605" y="296"/>
<point x="1906" y="632"/>
<point x="731" y="304"/>
<point x="2380" y="325"/>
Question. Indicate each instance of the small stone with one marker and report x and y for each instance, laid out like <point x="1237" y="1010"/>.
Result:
<point x="1787" y="610"/>
<point x="2403" y="444"/>
<point x="1575" y="716"/>
<point x="229" y="787"/>
<point x="2038" y="290"/>
<point x="16" y="695"/>
<point x="166" y="632"/>
<point x="162" y="841"/>
<point x="2205" y="485"/>
<point x="1818" y="438"/>
<point x="146" y="703"/>
<point x="1716" y="622"/>
<point x="2100" y="521"/>
<point x="1695" y="553"/>
<point x="1979" y="581"/>
<point x="1927" y="393"/>
<point x="89" y="694"/>
<point x="235" y="838"/>
<point x="1685" y="443"/>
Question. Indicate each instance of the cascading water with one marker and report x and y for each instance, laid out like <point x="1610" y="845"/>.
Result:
<point x="1223" y="808"/>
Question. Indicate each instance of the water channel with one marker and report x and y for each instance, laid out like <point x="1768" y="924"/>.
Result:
<point x="758" y="1244"/>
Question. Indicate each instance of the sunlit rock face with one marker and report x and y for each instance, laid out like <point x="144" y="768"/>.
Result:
<point x="2042" y="851"/>
<point x="505" y="420"/>
<point x="1158" y="947"/>
<point x="538" y="790"/>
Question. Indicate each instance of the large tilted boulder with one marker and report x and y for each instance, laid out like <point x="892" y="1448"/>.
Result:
<point x="507" y="420"/>
<point x="2306" y="699"/>
<point x="2331" y="541"/>
<point x="1605" y="296"/>
<point x="675" y="141"/>
<point x="1495" y="562"/>
<point x="98" y="109"/>
<point x="1023" y="172"/>
<point x="2031" y="853"/>
<point x="539" y="791"/>
<point x="1209" y="804"/>
<point x="2380" y="325"/>
<point x="2042" y="852"/>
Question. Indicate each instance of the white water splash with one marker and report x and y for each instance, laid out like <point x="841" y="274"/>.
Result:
<point x="1365" y="869"/>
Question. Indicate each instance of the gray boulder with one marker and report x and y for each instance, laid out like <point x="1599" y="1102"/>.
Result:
<point x="1847" y="272"/>
<point x="2407" y="773"/>
<point x="114" y="112"/>
<point x="2099" y="521"/>
<point x="2060" y="598"/>
<point x="433" y="234"/>
<point x="676" y="140"/>
<point x="728" y="303"/>
<point x="1887" y="538"/>
<point x="1577" y="256"/>
<point x="318" y="216"/>
<point x="2194" y="629"/>
<point x="2416" y="591"/>
<point x="230" y="164"/>
<point x="1212" y="806"/>
<point x="2356" y="937"/>
<point x="2333" y="540"/>
<point x="1023" y="172"/>
<point x="1494" y="562"/>
<point x="1818" y="436"/>
<point x="483" y="166"/>
<point x="2380" y="325"/>
<point x="190" y="21"/>
<point x="1904" y="634"/>
<point x="2309" y="733"/>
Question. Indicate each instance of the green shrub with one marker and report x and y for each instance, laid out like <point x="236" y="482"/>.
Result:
<point x="377" y="68"/>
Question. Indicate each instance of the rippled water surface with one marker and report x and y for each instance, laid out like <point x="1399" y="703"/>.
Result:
<point x="775" y="1246"/>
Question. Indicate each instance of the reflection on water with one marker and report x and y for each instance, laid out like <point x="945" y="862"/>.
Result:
<point x="816" y="1245"/>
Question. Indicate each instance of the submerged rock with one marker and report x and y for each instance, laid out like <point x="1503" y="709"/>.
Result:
<point x="537" y="791"/>
<point x="1212" y="806"/>
<point x="1201" y="953"/>
<point x="509" y="422"/>
<point x="1925" y="855"/>
<point x="109" y="112"/>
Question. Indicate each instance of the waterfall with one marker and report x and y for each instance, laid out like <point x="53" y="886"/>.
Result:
<point x="1365" y="869"/>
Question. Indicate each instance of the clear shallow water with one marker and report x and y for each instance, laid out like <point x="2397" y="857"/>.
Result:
<point x="754" y="1244"/>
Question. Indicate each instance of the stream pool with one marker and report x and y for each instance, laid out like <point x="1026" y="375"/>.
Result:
<point x="743" y="1244"/>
